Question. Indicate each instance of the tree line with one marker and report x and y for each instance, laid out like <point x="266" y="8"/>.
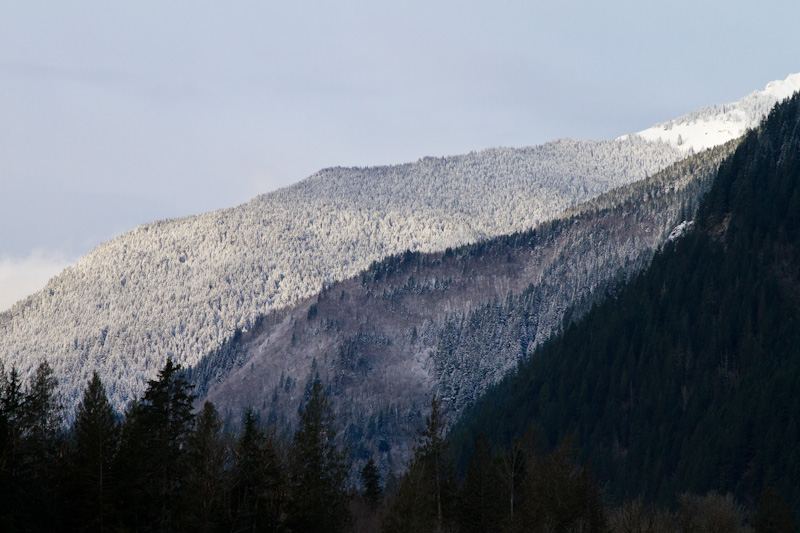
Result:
<point x="161" y="466"/>
<point x="524" y="488"/>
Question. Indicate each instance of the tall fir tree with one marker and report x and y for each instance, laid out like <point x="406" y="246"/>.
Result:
<point x="480" y="501"/>
<point x="317" y="470"/>
<point x="207" y="477"/>
<point x="433" y="451"/>
<point x="511" y="468"/>
<point x="560" y="495"/>
<point x="42" y="414"/>
<point x="153" y="452"/>
<point x="259" y="484"/>
<point x="12" y="480"/>
<point x="425" y="500"/>
<point x="371" y="483"/>
<point x="96" y="437"/>
<point x="42" y="441"/>
<point x="130" y="465"/>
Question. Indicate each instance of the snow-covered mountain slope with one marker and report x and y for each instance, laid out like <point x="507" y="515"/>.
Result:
<point x="718" y="124"/>
<point x="182" y="287"/>
<point x="453" y="323"/>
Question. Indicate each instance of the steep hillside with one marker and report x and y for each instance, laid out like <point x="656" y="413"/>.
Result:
<point x="689" y="379"/>
<point x="182" y="287"/>
<point x="453" y="322"/>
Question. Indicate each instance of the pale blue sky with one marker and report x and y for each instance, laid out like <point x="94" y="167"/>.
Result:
<point x="113" y="114"/>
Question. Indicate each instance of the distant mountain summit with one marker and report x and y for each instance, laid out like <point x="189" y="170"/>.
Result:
<point x="718" y="124"/>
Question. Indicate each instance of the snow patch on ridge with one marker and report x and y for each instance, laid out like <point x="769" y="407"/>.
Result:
<point x="718" y="124"/>
<point x="680" y="230"/>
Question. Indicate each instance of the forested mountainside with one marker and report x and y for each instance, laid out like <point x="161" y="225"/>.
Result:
<point x="450" y="323"/>
<point x="182" y="287"/>
<point x="688" y="379"/>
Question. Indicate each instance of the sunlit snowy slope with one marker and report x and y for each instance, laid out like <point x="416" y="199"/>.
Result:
<point x="718" y="124"/>
<point x="182" y="287"/>
<point x="452" y="323"/>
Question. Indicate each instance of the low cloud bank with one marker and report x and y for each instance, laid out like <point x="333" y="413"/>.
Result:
<point x="23" y="276"/>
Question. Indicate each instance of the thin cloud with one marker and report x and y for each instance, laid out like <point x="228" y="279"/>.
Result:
<point x="22" y="276"/>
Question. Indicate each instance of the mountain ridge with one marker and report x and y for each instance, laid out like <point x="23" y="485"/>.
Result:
<point x="182" y="287"/>
<point x="386" y="340"/>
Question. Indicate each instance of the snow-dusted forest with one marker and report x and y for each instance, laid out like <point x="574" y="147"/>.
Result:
<point x="181" y="287"/>
<point x="451" y="323"/>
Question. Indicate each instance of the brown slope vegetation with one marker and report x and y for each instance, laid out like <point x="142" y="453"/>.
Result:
<point x="384" y="341"/>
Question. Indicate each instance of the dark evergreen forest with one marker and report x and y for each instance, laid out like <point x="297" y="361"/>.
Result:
<point x="689" y="377"/>
<point x="162" y="467"/>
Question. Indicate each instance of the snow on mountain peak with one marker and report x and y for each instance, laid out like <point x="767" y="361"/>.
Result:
<point x="718" y="124"/>
<point x="782" y="89"/>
